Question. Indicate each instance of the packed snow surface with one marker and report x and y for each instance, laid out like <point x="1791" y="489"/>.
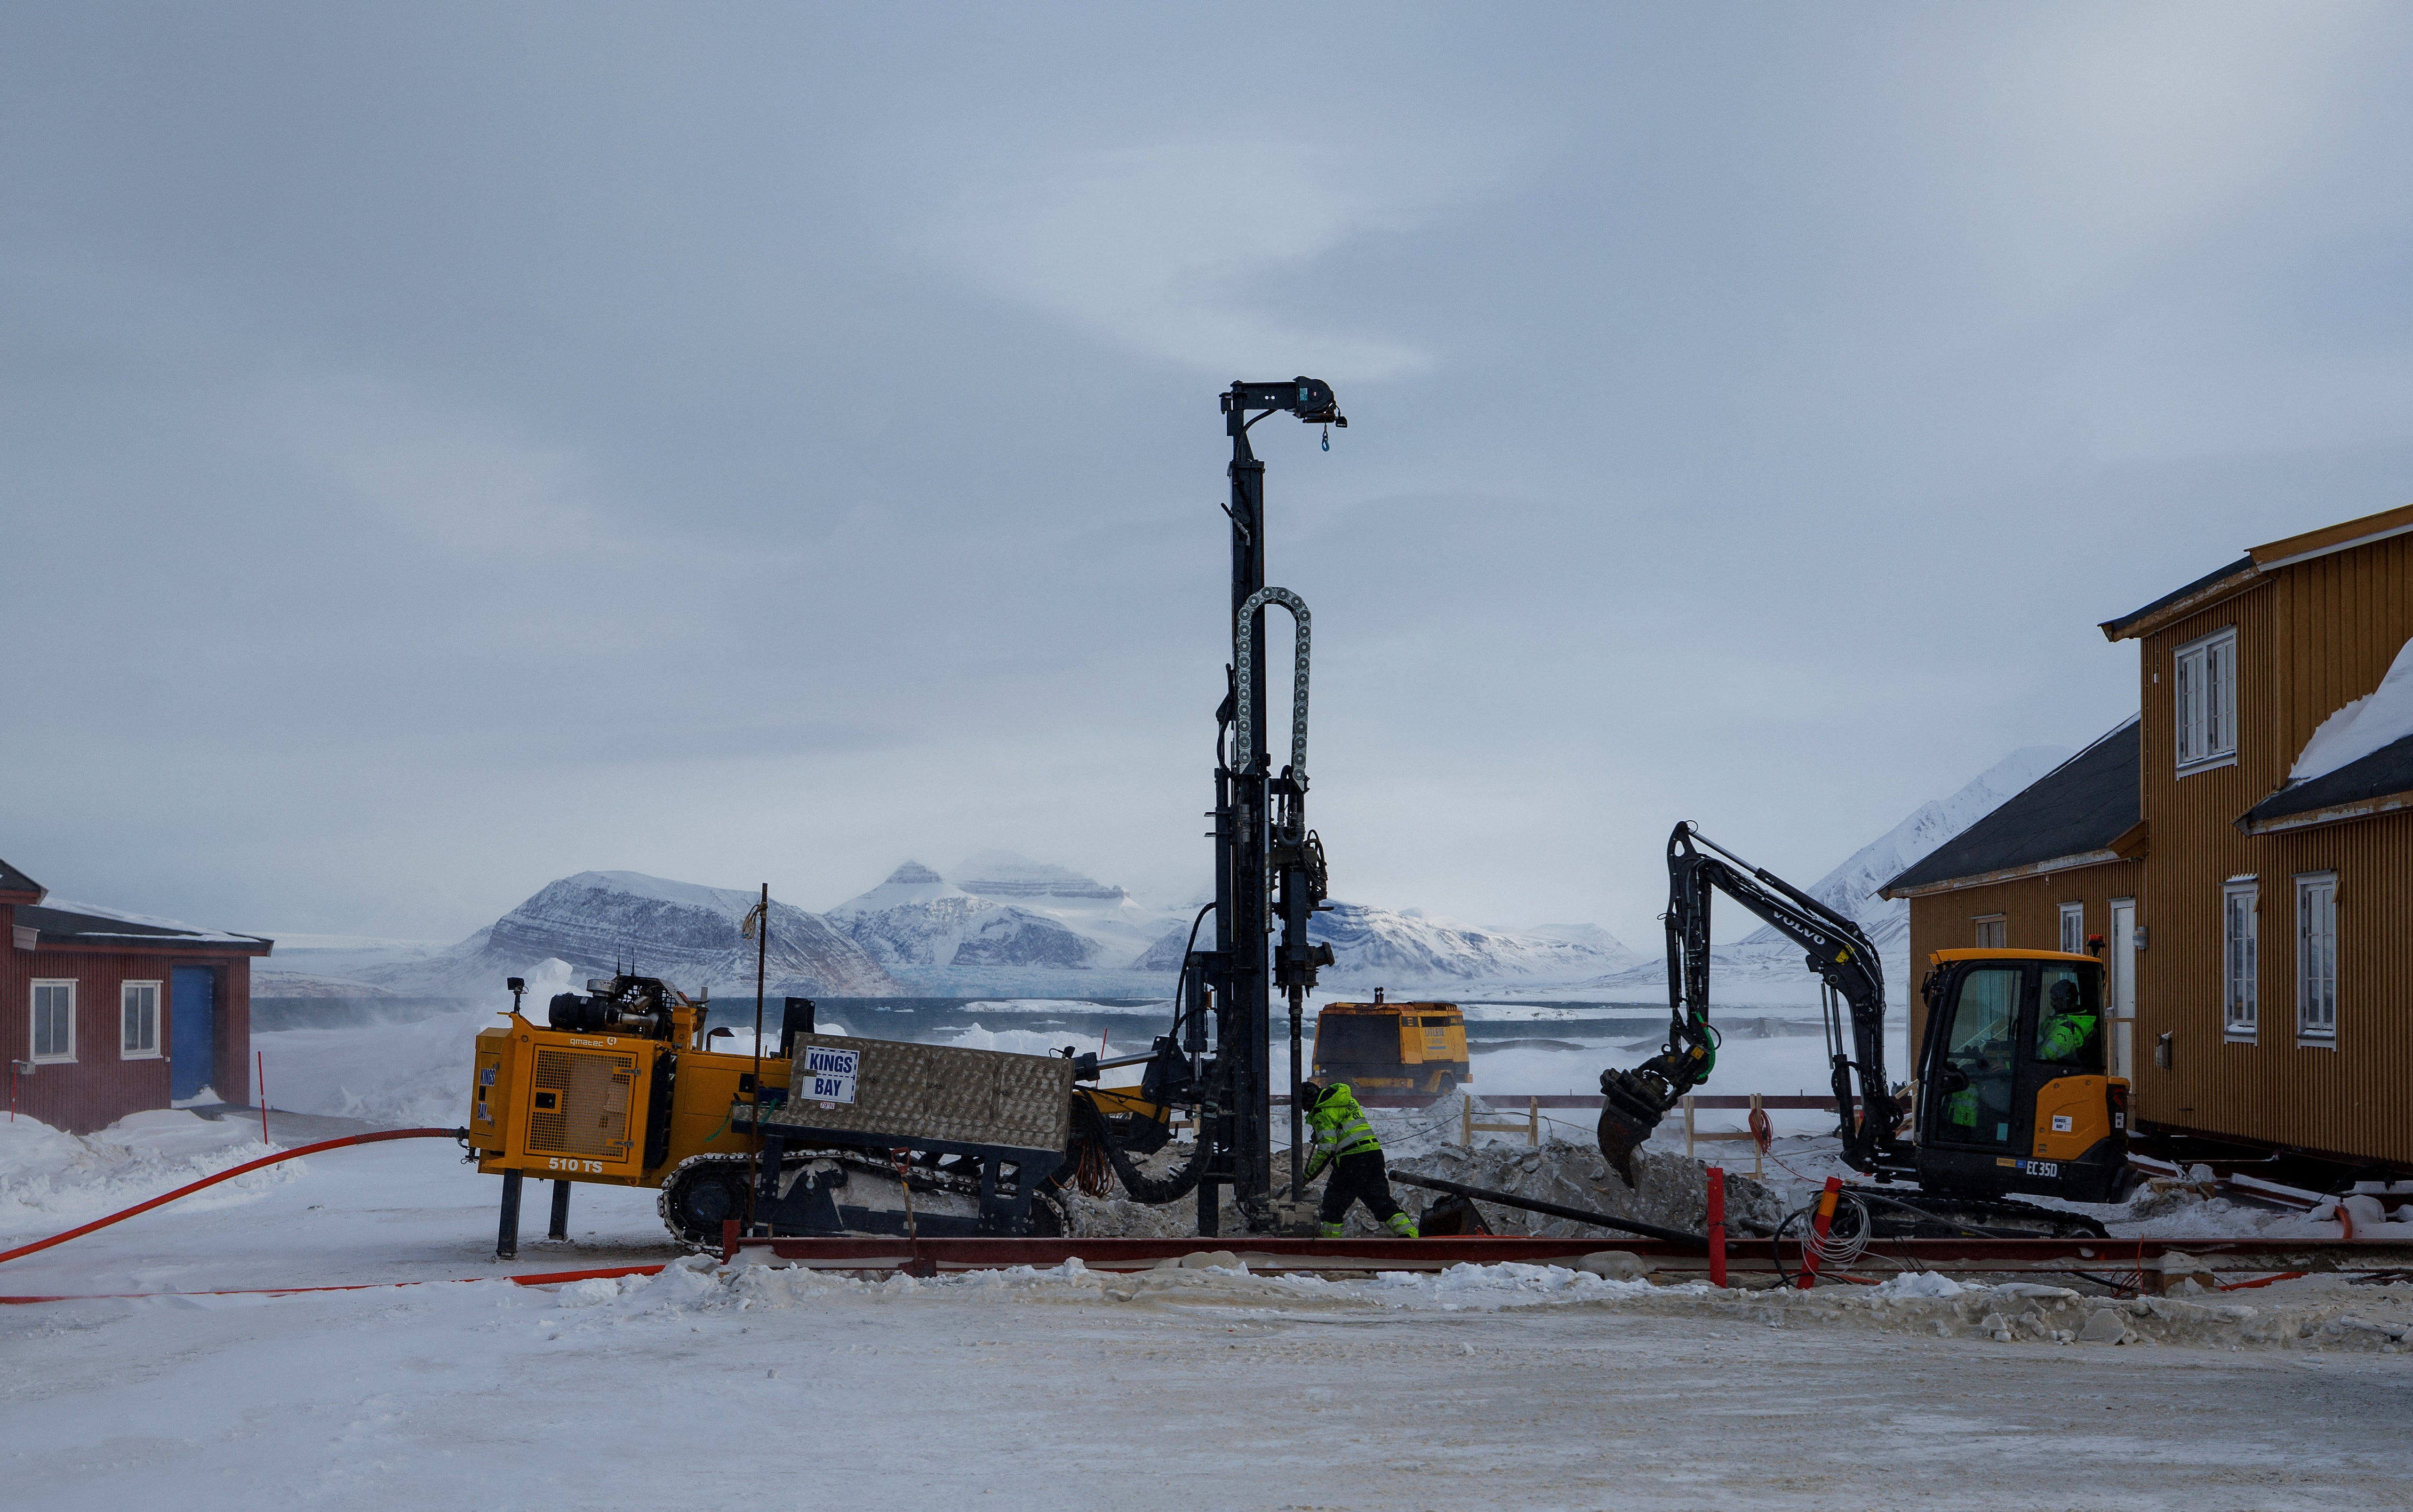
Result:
<point x="1507" y="1386"/>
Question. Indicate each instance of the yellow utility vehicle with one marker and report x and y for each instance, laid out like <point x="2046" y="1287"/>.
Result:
<point x="1383" y="1046"/>
<point x="621" y="1086"/>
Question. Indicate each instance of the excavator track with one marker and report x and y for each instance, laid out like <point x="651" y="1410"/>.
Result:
<point x="704" y="1190"/>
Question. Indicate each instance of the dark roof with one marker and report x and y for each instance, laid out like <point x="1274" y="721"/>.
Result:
<point x="2115" y="629"/>
<point x="2387" y="770"/>
<point x="2078" y="807"/>
<point x="13" y="881"/>
<point x="61" y="925"/>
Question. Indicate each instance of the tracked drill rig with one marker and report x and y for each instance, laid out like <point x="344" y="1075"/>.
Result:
<point x="2002" y="1105"/>
<point x="620" y="1083"/>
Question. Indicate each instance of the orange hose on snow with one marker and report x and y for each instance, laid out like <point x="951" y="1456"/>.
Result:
<point x="228" y="1174"/>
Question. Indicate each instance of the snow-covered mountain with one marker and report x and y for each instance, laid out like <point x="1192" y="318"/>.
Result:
<point x="1009" y="925"/>
<point x="1013" y="924"/>
<point x="1851" y="888"/>
<point x="917" y="921"/>
<point x="683" y="932"/>
<point x="1375" y="947"/>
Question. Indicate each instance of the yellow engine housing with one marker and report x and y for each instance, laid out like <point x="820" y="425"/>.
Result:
<point x="594" y="1108"/>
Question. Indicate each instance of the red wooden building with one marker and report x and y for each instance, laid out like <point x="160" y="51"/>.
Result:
<point x="106" y="1014"/>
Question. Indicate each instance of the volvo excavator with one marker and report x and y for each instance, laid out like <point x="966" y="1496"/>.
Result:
<point x="2011" y="1095"/>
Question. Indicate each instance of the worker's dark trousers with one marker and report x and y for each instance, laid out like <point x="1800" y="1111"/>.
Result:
<point x="1358" y="1177"/>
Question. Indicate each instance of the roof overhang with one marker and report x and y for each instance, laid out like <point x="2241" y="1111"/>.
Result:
<point x="2035" y="869"/>
<point x="140" y="945"/>
<point x="2345" y="536"/>
<point x="2337" y="813"/>
<point x="2005" y="952"/>
<point x="2203" y="596"/>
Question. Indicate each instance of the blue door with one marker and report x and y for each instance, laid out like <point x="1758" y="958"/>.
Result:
<point x="192" y="1030"/>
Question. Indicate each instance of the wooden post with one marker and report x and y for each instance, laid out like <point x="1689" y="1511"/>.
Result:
<point x="1688" y="1126"/>
<point x="1466" y="1120"/>
<point x="1533" y="1122"/>
<point x="1758" y="1150"/>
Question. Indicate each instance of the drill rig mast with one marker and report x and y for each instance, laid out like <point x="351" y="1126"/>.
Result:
<point x="1268" y="865"/>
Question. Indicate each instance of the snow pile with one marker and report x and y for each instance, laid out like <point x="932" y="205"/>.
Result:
<point x="1672" y="1192"/>
<point x="2380" y="717"/>
<point x="51" y="1180"/>
<point x="2178" y="1210"/>
<point x="2313" y="1314"/>
<point x="1919" y="1283"/>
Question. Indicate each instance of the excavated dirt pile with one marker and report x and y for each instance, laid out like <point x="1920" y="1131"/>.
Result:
<point x="1672" y="1191"/>
<point x="1673" y="1194"/>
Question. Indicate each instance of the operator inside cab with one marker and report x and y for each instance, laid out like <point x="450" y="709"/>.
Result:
<point x="1344" y="1142"/>
<point x="2065" y="1034"/>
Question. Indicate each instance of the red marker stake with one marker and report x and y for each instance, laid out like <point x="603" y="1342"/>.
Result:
<point x="1825" y="1220"/>
<point x="1717" y="1226"/>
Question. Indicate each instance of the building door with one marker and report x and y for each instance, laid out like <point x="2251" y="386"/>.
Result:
<point x="192" y="1030"/>
<point x="2122" y="987"/>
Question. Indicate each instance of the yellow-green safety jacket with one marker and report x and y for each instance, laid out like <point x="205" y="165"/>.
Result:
<point x="1339" y="1126"/>
<point x="2066" y="1035"/>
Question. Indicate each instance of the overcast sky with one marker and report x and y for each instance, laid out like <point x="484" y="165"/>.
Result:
<point x="448" y="447"/>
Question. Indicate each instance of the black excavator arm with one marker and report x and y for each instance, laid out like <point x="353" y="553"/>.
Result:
<point x="1634" y="1101"/>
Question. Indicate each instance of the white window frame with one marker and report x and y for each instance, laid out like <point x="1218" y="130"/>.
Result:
<point x="2240" y="959"/>
<point x="34" y="1020"/>
<point x="2073" y="928"/>
<point x="2316" y="960"/>
<point x="127" y="993"/>
<point x="1977" y="931"/>
<point x="2203" y="702"/>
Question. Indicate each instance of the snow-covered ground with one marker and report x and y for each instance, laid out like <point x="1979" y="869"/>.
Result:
<point x="1512" y="1387"/>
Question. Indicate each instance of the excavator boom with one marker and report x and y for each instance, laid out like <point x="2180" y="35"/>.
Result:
<point x="1841" y="957"/>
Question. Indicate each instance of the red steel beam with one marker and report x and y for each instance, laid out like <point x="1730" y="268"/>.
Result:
<point x="1746" y="1253"/>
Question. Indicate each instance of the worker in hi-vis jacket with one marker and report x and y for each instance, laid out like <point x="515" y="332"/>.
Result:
<point x="1344" y="1142"/>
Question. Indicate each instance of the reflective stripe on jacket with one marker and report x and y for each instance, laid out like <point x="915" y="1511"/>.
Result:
<point x="1339" y="1126"/>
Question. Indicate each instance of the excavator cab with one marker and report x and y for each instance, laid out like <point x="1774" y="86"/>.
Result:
<point x="2012" y="1095"/>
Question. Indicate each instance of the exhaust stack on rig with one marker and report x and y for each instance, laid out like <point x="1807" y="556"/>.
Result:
<point x="1268" y="865"/>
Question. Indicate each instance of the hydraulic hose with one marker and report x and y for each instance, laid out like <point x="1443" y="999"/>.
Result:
<point x="1581" y="1215"/>
<point x="228" y="1174"/>
<point x="1154" y="1190"/>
